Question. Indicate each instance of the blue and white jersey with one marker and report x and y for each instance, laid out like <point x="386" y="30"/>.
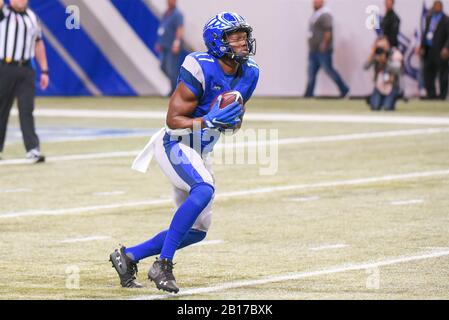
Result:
<point x="203" y="75"/>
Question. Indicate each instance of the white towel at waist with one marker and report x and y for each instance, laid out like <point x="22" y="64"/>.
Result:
<point x="143" y="160"/>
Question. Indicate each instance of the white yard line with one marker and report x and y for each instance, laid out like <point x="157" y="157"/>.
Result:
<point x="99" y="114"/>
<point x="90" y="138"/>
<point x="329" y="247"/>
<point x="261" y="117"/>
<point x="90" y="209"/>
<point x="436" y="248"/>
<point x="301" y="199"/>
<point x="75" y="157"/>
<point x="15" y="190"/>
<point x="85" y="239"/>
<point x="384" y="119"/>
<point x="333" y="184"/>
<point x="407" y="202"/>
<point x="297" y="276"/>
<point x="362" y="136"/>
<point x="286" y="141"/>
<point x="207" y="243"/>
<point x="109" y="193"/>
<point x="226" y="195"/>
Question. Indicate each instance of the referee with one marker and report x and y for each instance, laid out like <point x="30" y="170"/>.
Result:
<point x="20" y="41"/>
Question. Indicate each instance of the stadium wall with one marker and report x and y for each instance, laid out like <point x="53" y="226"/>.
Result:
<point x="113" y="51"/>
<point x="281" y="29"/>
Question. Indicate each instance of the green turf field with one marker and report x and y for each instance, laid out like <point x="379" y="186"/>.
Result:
<point x="345" y="218"/>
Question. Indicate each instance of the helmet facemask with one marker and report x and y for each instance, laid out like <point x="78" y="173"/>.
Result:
<point x="250" y="43"/>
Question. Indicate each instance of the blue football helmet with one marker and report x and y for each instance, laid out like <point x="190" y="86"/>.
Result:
<point x="216" y="30"/>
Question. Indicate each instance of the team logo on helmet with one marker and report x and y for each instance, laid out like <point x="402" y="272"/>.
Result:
<point x="218" y="27"/>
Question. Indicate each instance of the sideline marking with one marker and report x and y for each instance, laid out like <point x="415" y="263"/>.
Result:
<point x="297" y="276"/>
<point x="92" y="238"/>
<point x="109" y="193"/>
<point x="225" y="195"/>
<point x="286" y="141"/>
<point x="18" y="190"/>
<point x="407" y="202"/>
<point x="329" y="246"/>
<point x="262" y="117"/>
<point x="207" y="243"/>
<point x="301" y="199"/>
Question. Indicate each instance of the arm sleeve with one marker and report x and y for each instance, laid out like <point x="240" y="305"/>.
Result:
<point x="395" y="30"/>
<point x="179" y="20"/>
<point x="326" y="22"/>
<point x="391" y="27"/>
<point x="426" y="28"/>
<point x="191" y="74"/>
<point x="446" y="45"/>
<point x="397" y="25"/>
<point x="253" y="86"/>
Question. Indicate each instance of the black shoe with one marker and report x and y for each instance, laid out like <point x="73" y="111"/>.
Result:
<point x="125" y="267"/>
<point x="345" y="94"/>
<point x="162" y="274"/>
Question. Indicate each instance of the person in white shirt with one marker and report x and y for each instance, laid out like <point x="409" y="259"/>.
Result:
<point x="20" y="42"/>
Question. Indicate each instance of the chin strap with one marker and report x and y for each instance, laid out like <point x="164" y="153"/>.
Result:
<point x="237" y="58"/>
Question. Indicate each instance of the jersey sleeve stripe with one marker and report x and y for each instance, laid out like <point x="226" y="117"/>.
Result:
<point x="191" y="82"/>
<point x="193" y="66"/>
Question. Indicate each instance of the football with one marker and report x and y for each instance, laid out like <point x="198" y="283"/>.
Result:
<point x="228" y="98"/>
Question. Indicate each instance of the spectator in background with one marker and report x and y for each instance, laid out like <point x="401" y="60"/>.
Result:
<point x="435" y="51"/>
<point x="321" y="49"/>
<point x="390" y="24"/>
<point x="169" y="45"/>
<point x="387" y="63"/>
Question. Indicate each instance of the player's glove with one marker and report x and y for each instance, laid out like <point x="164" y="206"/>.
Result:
<point x="227" y="117"/>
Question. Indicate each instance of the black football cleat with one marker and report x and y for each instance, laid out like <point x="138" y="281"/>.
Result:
<point x="162" y="274"/>
<point x="125" y="267"/>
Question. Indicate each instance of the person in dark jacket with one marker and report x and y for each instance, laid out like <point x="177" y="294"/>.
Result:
<point x="169" y="44"/>
<point x="435" y="51"/>
<point x="390" y="24"/>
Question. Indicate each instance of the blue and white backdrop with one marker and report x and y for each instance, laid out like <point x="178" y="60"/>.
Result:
<point x="112" y="51"/>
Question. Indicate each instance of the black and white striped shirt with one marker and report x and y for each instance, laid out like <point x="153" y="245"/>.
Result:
<point x="19" y="32"/>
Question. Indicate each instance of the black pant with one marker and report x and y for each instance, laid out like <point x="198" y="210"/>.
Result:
<point x="432" y="68"/>
<point x="18" y="82"/>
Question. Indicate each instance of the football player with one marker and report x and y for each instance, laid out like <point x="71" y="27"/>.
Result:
<point x="203" y="77"/>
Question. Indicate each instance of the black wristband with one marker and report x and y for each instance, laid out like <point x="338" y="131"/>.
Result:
<point x="44" y="72"/>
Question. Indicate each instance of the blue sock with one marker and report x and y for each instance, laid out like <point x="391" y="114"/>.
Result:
<point x="185" y="217"/>
<point x="153" y="246"/>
